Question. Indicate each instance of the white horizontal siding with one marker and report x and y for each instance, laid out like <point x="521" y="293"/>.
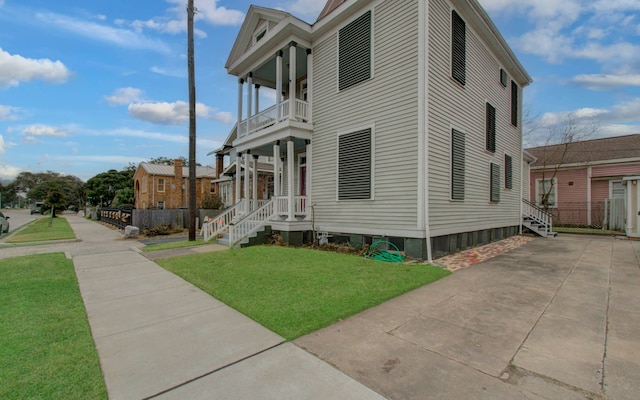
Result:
<point x="463" y="108"/>
<point x="387" y="103"/>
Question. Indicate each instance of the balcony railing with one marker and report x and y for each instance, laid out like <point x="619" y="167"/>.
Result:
<point x="268" y="117"/>
<point x="299" y="206"/>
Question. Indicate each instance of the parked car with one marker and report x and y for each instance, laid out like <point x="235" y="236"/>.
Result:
<point x="4" y="223"/>
<point x="37" y="207"/>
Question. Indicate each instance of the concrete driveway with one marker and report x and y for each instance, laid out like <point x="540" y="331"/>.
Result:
<point x="555" y="319"/>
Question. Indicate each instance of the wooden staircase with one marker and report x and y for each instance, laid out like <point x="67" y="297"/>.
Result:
<point x="537" y="220"/>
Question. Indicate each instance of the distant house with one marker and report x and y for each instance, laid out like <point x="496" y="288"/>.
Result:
<point x="589" y="183"/>
<point x="398" y="119"/>
<point x="166" y="186"/>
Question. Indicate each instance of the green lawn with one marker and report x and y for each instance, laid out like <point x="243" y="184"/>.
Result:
<point x="46" y="347"/>
<point x="40" y="230"/>
<point x="561" y="229"/>
<point x="175" y="245"/>
<point x="295" y="291"/>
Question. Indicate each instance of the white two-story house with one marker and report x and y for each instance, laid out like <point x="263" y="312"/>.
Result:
<point x="393" y="118"/>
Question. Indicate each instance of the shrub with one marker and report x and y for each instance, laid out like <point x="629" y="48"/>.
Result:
<point x="211" y="202"/>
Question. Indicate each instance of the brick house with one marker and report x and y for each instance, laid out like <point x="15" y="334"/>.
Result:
<point x="590" y="183"/>
<point x="166" y="186"/>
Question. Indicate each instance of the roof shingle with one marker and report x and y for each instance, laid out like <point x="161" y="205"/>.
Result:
<point x="613" y="148"/>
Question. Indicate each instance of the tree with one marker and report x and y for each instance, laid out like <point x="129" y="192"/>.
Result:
<point x="557" y="144"/>
<point x="170" y="161"/>
<point x="103" y="188"/>
<point x="124" y="196"/>
<point x="8" y="194"/>
<point x="39" y="185"/>
<point x="55" y="201"/>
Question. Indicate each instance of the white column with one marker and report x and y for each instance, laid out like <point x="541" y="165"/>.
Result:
<point x="257" y="99"/>
<point x="278" y="84"/>
<point x="240" y="83"/>
<point x="310" y="86"/>
<point x="238" y="177"/>
<point x="290" y="172"/>
<point x="247" y="157"/>
<point x="292" y="80"/>
<point x="254" y="181"/>
<point x="308" y="179"/>
<point x="276" y="169"/>
<point x="249" y="95"/>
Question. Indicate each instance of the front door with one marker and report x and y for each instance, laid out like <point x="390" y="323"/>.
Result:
<point x="303" y="180"/>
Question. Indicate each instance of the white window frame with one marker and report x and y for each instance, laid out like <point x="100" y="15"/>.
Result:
<point x="298" y="174"/>
<point x="553" y="193"/>
<point x="161" y="205"/>
<point x="373" y="161"/>
<point x="611" y="182"/>
<point x="164" y="185"/>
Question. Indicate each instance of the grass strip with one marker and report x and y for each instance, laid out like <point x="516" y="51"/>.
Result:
<point x="175" y="245"/>
<point x="295" y="291"/>
<point x="46" y="347"/>
<point x="40" y="230"/>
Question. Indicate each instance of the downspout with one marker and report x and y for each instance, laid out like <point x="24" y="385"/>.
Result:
<point x="423" y="126"/>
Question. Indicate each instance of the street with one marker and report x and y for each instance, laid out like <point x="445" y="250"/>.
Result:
<point x="18" y="217"/>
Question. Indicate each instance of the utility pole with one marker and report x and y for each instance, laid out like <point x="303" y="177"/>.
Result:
<point x="192" y="123"/>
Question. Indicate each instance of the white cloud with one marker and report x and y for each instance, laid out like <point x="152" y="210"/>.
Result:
<point x="44" y="130"/>
<point x="117" y="36"/>
<point x="101" y="17"/>
<point x="309" y="9"/>
<point x="8" y="113"/>
<point x="124" y="95"/>
<point x="176" y="21"/>
<point x="2" y="144"/>
<point x="606" y="81"/>
<point x="15" y="69"/>
<point x="9" y="172"/>
<point x="176" y="113"/>
<point x="166" y="72"/>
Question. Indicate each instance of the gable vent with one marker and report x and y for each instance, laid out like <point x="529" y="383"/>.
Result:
<point x="354" y="54"/>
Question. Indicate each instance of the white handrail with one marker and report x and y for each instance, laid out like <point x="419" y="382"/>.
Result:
<point x="538" y="215"/>
<point x="251" y="223"/>
<point x="220" y="223"/>
<point x="269" y="116"/>
<point x="299" y="205"/>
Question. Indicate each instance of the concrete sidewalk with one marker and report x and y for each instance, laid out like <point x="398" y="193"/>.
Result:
<point x="159" y="336"/>
<point x="555" y="319"/>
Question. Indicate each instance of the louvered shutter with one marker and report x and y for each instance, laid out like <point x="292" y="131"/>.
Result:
<point x="457" y="165"/>
<point x="495" y="182"/>
<point x="491" y="128"/>
<point x="514" y="104"/>
<point x="354" y="166"/>
<point x="354" y="54"/>
<point x="508" y="172"/>
<point x="458" y="48"/>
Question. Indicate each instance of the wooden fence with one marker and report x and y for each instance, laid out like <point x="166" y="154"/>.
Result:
<point x="148" y="219"/>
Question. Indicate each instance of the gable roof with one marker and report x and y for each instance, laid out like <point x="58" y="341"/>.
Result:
<point x="613" y="148"/>
<point x="329" y="7"/>
<point x="167" y="170"/>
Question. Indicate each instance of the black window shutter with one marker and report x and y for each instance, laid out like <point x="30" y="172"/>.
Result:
<point x="508" y="172"/>
<point x="514" y="104"/>
<point x="457" y="165"/>
<point x="458" y="48"/>
<point x="495" y="182"/>
<point x="503" y="77"/>
<point x="354" y="165"/>
<point x="491" y="128"/>
<point x="354" y="53"/>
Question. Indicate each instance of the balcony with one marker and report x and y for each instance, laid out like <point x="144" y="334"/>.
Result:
<point x="273" y="115"/>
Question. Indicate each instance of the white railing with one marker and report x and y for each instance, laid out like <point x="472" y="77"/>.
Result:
<point x="299" y="206"/>
<point x="269" y="117"/>
<point x="220" y="224"/>
<point x="251" y="223"/>
<point x="537" y="215"/>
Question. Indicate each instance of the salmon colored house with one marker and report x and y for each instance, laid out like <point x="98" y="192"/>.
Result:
<point x="589" y="183"/>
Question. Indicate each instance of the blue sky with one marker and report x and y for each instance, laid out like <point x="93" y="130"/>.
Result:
<point x="88" y="86"/>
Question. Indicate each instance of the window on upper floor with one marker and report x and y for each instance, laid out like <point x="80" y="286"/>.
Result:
<point x="514" y="103"/>
<point x="490" y="128"/>
<point x="458" y="48"/>
<point x="354" y="52"/>
<point x="160" y="184"/>
<point x="213" y="188"/>
<point x="354" y="165"/>
<point x="546" y="192"/>
<point x="457" y="164"/>
<point x="495" y="183"/>
<point x="503" y="77"/>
